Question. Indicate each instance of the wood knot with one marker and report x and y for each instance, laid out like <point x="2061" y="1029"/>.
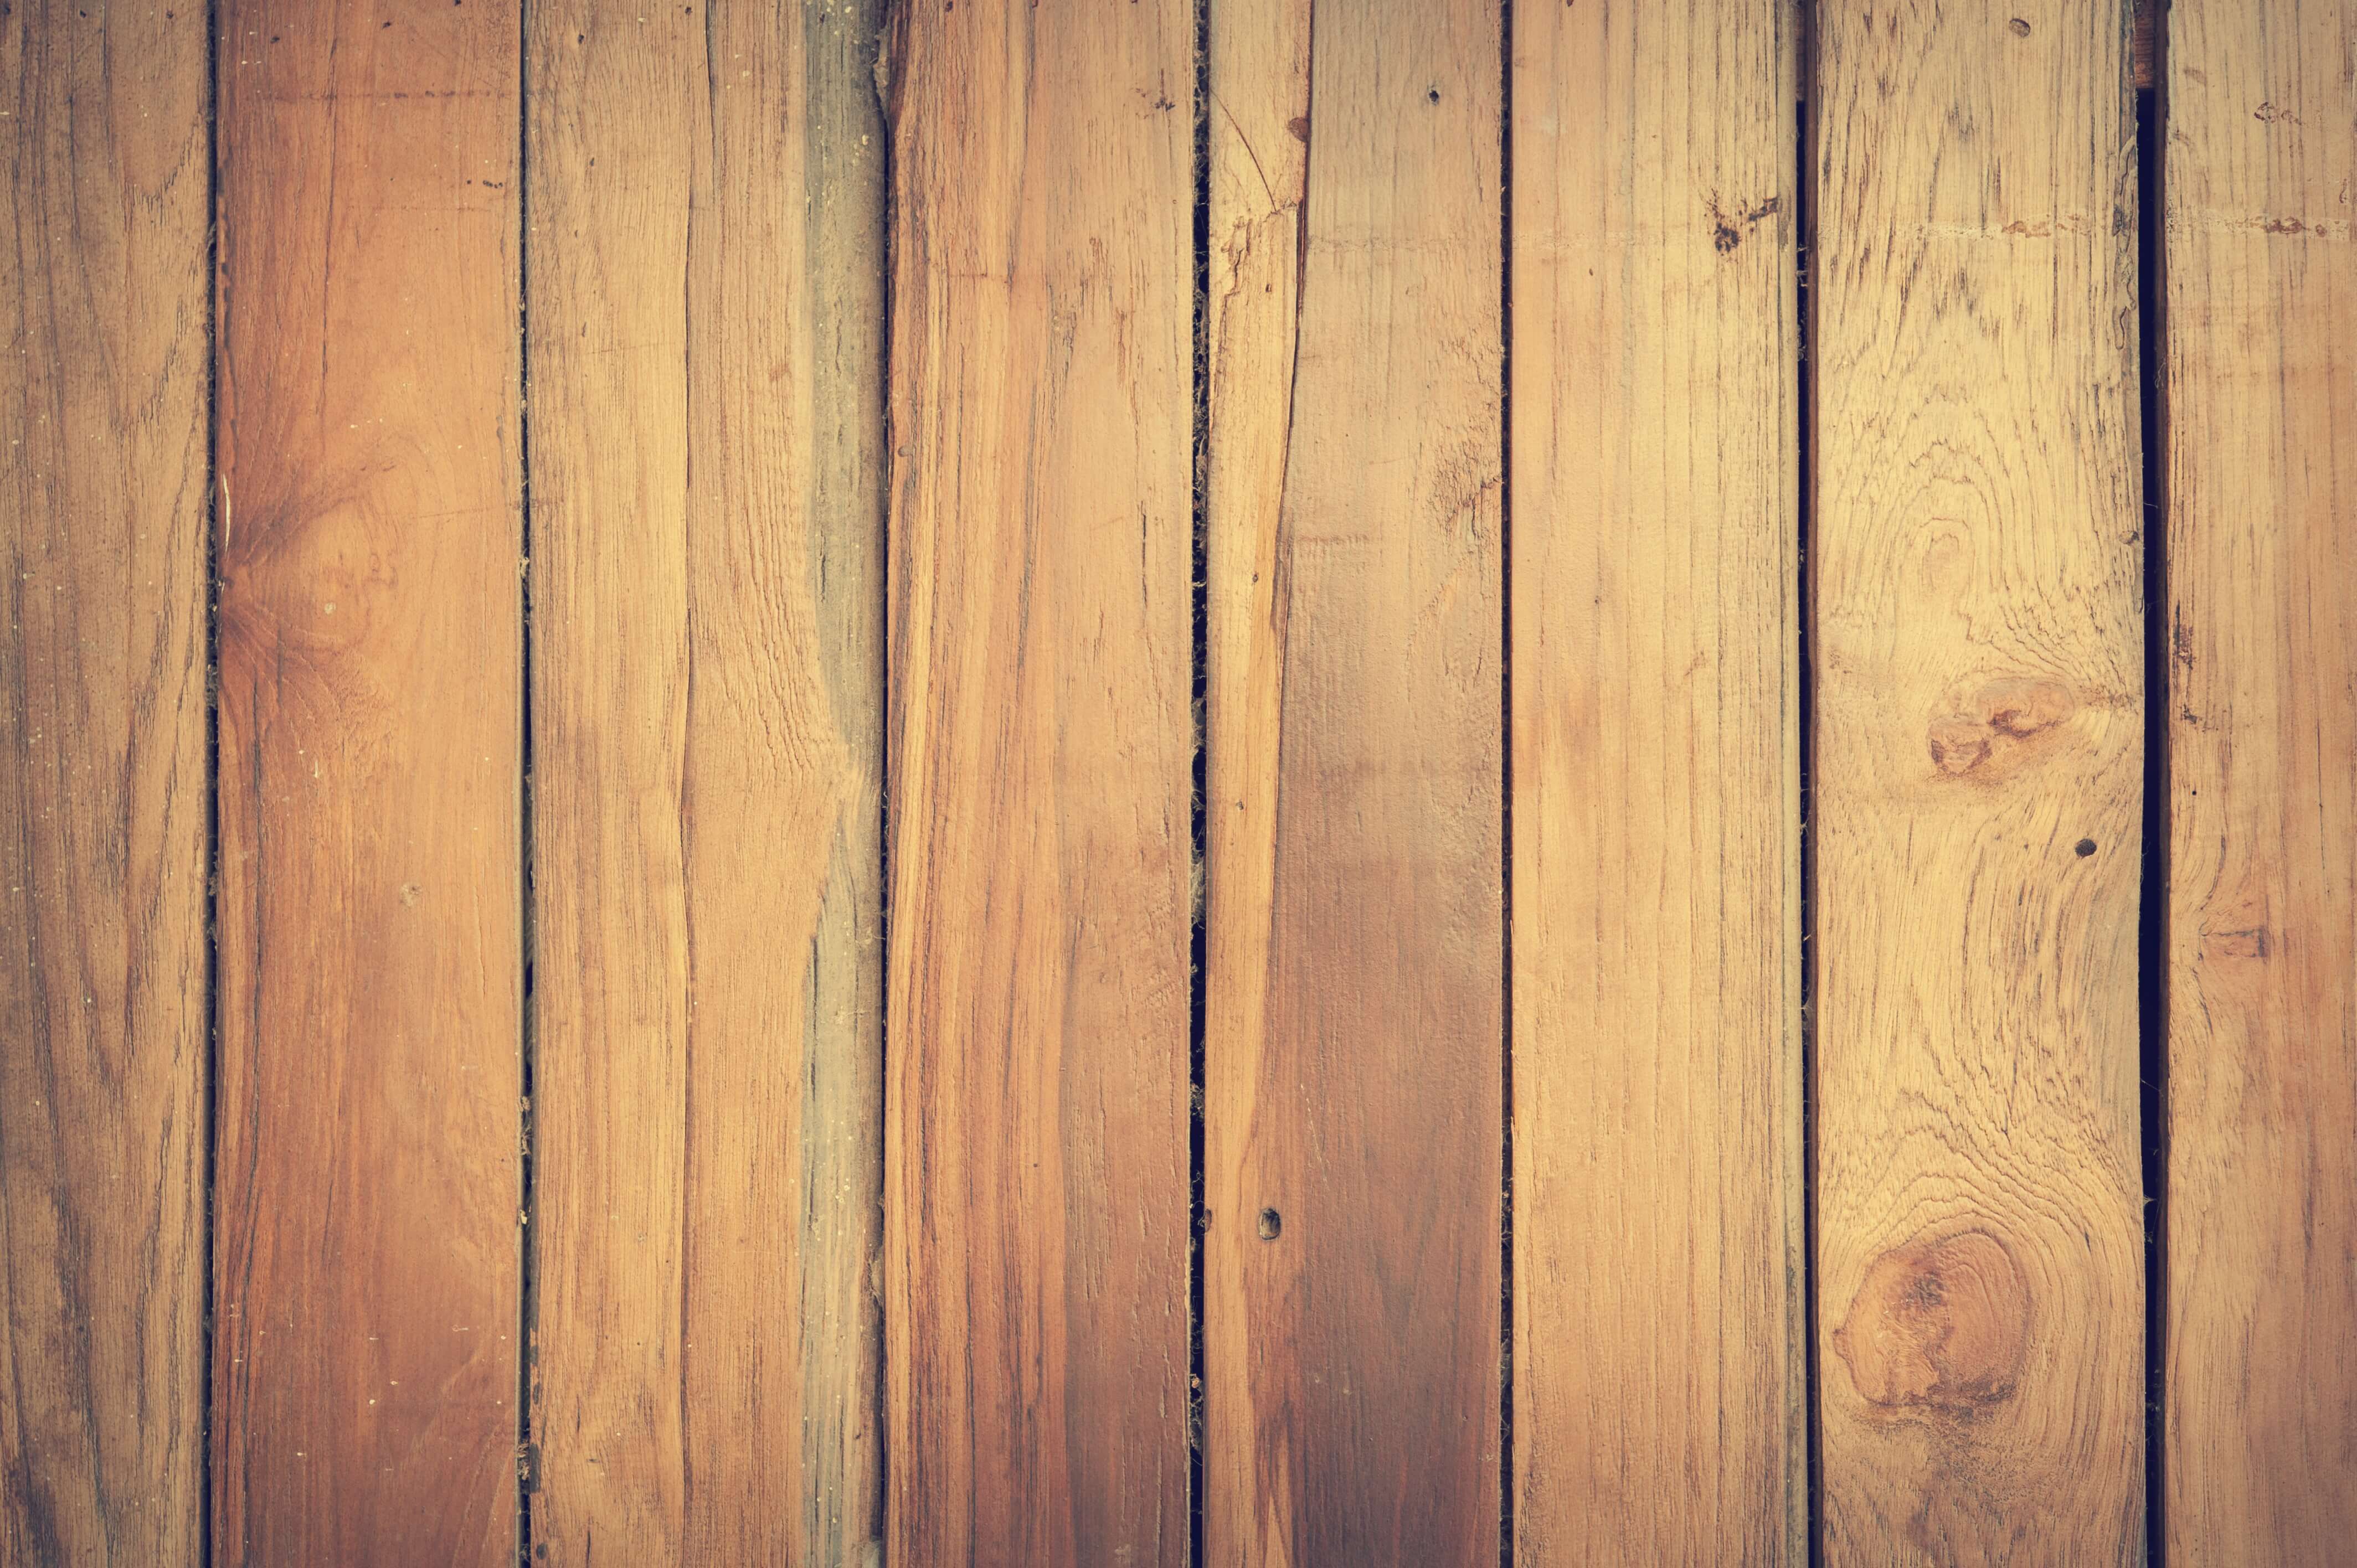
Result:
<point x="1990" y="735"/>
<point x="1939" y="1325"/>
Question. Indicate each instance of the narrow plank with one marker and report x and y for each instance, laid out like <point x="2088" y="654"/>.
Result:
<point x="1978" y="663"/>
<point x="2260" y="1455"/>
<point x="706" y="322"/>
<point x="1353" y="1030"/>
<point x="103" y="789"/>
<point x="1037" y="1135"/>
<point x="370" y="964"/>
<point x="1660" y="1397"/>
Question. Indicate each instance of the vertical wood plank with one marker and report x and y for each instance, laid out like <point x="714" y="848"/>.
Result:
<point x="1353" y="1031"/>
<point x="367" y="1255"/>
<point x="1658" y="1390"/>
<point x="705" y="295"/>
<point x="1978" y="648"/>
<point x="103" y="788"/>
<point x="2261" y="484"/>
<point x="1037" y="1135"/>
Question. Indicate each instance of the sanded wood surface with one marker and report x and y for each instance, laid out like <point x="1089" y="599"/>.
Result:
<point x="1353" y="1039"/>
<point x="1660" y="1397"/>
<point x="2260" y="1393"/>
<point x="1037" y="1133"/>
<point x="707" y="480"/>
<point x="366" y="1252"/>
<point x="103" y="788"/>
<point x="1978" y="647"/>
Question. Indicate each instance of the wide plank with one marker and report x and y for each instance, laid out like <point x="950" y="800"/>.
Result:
<point x="103" y="788"/>
<point x="367" y="1254"/>
<point x="1976" y="578"/>
<point x="1037" y="1137"/>
<point x="2259" y="1463"/>
<point x="706" y="314"/>
<point x="1353" y="1030"/>
<point x="1660" y="1398"/>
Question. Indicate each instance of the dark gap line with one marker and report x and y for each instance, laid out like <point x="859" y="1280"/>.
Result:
<point x="1804" y="216"/>
<point x="2152" y="910"/>
<point x="883" y="35"/>
<point x="527" y="1043"/>
<point x="1198" y="940"/>
<point x="209" y="1092"/>
<point x="1506" y="1488"/>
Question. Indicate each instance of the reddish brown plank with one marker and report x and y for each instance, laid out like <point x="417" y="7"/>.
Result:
<point x="1039" y="738"/>
<point x="367" y="1258"/>
<point x="103" y="803"/>
<point x="1353" y="1038"/>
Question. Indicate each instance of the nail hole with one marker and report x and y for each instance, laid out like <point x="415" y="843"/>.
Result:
<point x="2085" y="847"/>
<point x="1433" y="96"/>
<point x="1271" y="1222"/>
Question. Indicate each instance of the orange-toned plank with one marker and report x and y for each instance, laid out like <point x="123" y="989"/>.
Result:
<point x="103" y="789"/>
<point x="1978" y="652"/>
<point x="2260" y="1215"/>
<point x="367" y="1258"/>
<point x="707" y="483"/>
<point x="1037" y="1135"/>
<point x="1659" y="1391"/>
<point x="1353" y="1044"/>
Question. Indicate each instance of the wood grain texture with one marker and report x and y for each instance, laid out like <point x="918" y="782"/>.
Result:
<point x="1978" y="737"/>
<point x="367" y="1253"/>
<point x="2261" y="486"/>
<point x="1037" y="1133"/>
<point x="707" y="258"/>
<point x="103" y="788"/>
<point x="1353" y="1032"/>
<point x="1660" y="1397"/>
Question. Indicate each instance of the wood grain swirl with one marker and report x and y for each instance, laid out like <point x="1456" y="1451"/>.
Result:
<point x="367" y="1254"/>
<point x="103" y="788"/>
<point x="1976" y="588"/>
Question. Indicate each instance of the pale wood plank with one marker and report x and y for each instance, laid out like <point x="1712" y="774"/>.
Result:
<point x="103" y="788"/>
<point x="1353" y="1031"/>
<point x="706" y="358"/>
<point x="366" y="1252"/>
<point x="1978" y="752"/>
<point x="1660" y="1395"/>
<point x="1037" y="1137"/>
<point x="2261" y="484"/>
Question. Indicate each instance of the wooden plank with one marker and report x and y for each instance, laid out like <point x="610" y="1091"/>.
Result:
<point x="103" y="788"/>
<point x="1037" y="1135"/>
<point x="2260" y="1458"/>
<point x="706" y="322"/>
<point x="1660" y="1397"/>
<point x="1353" y="1032"/>
<point x="367" y="1254"/>
<point x="1978" y="662"/>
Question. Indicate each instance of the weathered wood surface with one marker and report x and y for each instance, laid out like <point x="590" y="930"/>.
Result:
<point x="1660" y="1395"/>
<point x="367" y="1247"/>
<point x="1353" y="1036"/>
<point x="1037" y="1135"/>
<point x="2260" y="1393"/>
<point x="103" y="788"/>
<point x="1977" y="584"/>
<point x="706" y="327"/>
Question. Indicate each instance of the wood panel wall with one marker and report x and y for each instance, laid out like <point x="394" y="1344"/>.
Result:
<point x="969" y="781"/>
